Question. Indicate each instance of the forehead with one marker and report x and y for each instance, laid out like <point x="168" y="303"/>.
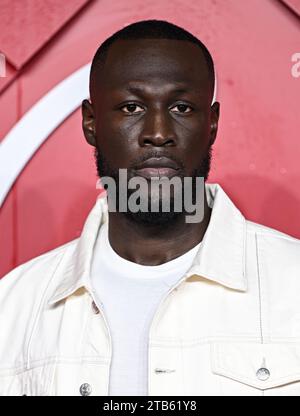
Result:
<point x="162" y="60"/>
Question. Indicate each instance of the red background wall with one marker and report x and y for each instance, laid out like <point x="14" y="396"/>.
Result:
<point x="256" y="156"/>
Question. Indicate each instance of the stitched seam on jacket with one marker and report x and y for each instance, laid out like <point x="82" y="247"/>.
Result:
<point x="245" y="233"/>
<point x="259" y="293"/>
<point x="42" y="301"/>
<point x="236" y="339"/>
<point x="53" y="360"/>
<point x="260" y="296"/>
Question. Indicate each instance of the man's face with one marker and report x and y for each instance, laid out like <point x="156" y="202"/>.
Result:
<point x="153" y="99"/>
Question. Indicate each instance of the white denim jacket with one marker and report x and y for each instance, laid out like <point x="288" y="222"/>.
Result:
<point x="231" y="326"/>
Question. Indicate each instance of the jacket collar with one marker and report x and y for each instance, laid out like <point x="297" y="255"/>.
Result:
<point x="75" y="274"/>
<point x="221" y="257"/>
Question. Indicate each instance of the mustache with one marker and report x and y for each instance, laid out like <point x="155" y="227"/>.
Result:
<point x="105" y="169"/>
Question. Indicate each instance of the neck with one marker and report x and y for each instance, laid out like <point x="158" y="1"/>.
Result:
<point x="154" y="245"/>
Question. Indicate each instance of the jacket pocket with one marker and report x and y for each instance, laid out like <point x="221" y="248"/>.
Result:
<point x="267" y="369"/>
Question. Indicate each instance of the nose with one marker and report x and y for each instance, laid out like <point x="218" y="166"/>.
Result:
<point x="157" y="129"/>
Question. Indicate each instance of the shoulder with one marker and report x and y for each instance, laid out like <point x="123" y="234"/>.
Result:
<point x="22" y="292"/>
<point x="274" y="242"/>
<point x="254" y="227"/>
<point x="277" y="265"/>
<point x="30" y="278"/>
<point x="276" y="273"/>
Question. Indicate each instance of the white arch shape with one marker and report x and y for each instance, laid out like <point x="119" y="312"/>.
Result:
<point x="30" y="132"/>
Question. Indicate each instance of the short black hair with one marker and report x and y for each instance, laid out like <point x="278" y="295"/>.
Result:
<point x="149" y="29"/>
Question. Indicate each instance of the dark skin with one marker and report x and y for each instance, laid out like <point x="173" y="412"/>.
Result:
<point x="124" y="133"/>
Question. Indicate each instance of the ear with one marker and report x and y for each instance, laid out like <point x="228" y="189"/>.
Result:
<point x="214" y="117"/>
<point x="88" y="122"/>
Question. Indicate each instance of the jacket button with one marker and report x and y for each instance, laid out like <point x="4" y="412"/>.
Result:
<point x="263" y="374"/>
<point x="85" y="389"/>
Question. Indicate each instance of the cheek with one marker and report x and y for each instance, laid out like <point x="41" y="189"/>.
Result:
<point x="117" y="141"/>
<point x="194" y="159"/>
<point x="196" y="128"/>
<point x="118" y="128"/>
<point x="195" y="151"/>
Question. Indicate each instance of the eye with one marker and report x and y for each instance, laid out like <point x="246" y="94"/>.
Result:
<point x="181" y="108"/>
<point x="132" y="108"/>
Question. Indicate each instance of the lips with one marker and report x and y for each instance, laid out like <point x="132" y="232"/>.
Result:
<point x="149" y="173"/>
<point x="157" y="167"/>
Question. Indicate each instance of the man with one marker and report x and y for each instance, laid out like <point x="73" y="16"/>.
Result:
<point x="146" y="302"/>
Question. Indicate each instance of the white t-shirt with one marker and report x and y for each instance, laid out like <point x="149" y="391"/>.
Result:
<point x="129" y="294"/>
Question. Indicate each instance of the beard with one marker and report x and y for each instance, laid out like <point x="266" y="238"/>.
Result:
<point x="150" y="218"/>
